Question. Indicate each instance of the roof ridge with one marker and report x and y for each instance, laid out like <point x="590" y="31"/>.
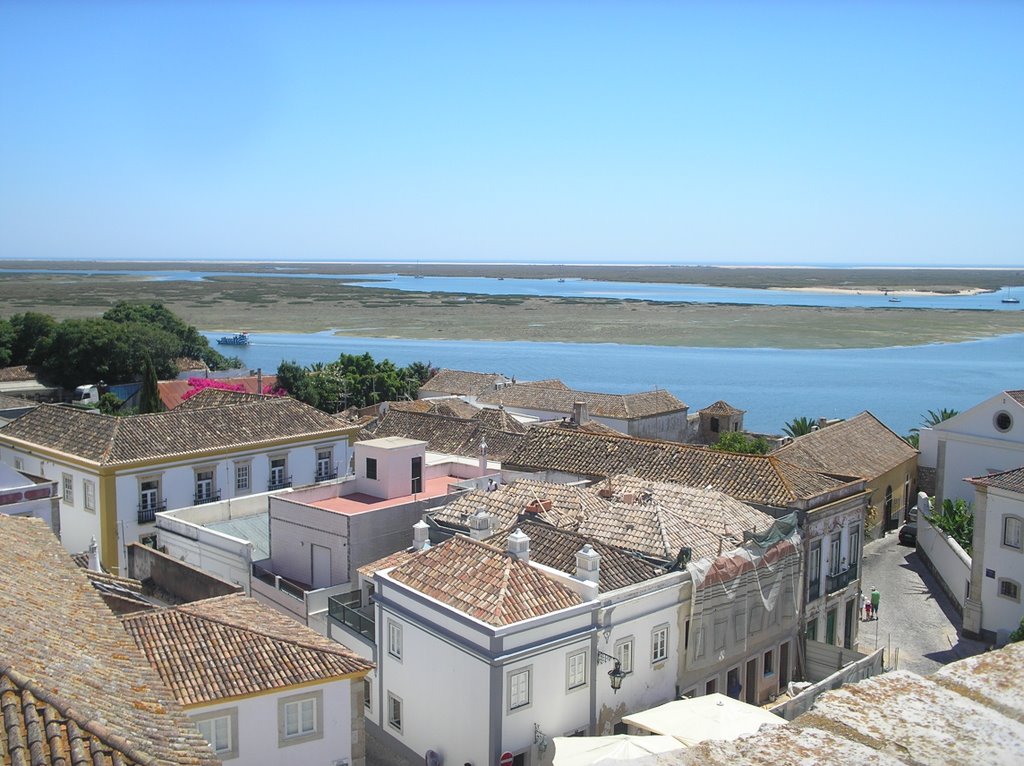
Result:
<point x="91" y="725"/>
<point x="503" y="591"/>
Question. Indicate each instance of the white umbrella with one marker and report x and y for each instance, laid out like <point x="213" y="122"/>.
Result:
<point x="583" y="751"/>
<point x="712" y="716"/>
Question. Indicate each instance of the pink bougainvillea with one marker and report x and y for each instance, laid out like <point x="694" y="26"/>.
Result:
<point x="198" y="384"/>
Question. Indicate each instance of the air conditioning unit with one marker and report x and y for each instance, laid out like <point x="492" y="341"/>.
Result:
<point x="340" y="762"/>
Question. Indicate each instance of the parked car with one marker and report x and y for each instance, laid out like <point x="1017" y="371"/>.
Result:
<point x="908" y="534"/>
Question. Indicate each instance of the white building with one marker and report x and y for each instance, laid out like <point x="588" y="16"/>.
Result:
<point x="987" y="438"/>
<point x="993" y="606"/>
<point x="116" y="473"/>
<point x="262" y="690"/>
<point x="25" y="495"/>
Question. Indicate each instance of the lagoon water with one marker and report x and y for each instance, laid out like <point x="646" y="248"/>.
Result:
<point x="772" y="385"/>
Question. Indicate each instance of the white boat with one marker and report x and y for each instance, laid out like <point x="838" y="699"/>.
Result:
<point x="1009" y="298"/>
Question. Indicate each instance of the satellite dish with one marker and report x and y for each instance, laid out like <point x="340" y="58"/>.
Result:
<point x="432" y="758"/>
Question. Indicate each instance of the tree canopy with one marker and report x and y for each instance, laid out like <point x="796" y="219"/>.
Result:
<point x="799" y="427"/>
<point x="352" y="381"/>
<point x="113" y="348"/>
<point x="735" y="441"/>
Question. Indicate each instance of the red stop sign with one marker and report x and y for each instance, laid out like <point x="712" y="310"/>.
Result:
<point x="506" y="759"/>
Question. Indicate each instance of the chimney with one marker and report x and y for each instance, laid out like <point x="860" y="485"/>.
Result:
<point x="259" y="380"/>
<point x="579" y="413"/>
<point x="420" y="535"/>
<point x="519" y="545"/>
<point x="588" y="564"/>
<point x="483" y="456"/>
<point x="94" y="556"/>
<point x="480" y="525"/>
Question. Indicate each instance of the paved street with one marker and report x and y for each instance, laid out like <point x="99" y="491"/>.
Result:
<point x="916" y="618"/>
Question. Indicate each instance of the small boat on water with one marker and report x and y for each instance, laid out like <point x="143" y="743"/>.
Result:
<point x="894" y="300"/>
<point x="238" y="339"/>
<point x="1009" y="298"/>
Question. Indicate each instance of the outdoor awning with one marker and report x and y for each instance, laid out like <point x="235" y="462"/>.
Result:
<point x="713" y="716"/>
<point x="583" y="751"/>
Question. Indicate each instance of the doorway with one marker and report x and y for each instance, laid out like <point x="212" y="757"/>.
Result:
<point x="752" y="681"/>
<point x="850" y="619"/>
<point x="417" y="475"/>
<point x="783" y="666"/>
<point x="321" y="568"/>
<point x="830" y="627"/>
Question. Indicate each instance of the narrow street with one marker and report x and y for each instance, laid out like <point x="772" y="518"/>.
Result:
<point x="917" y="623"/>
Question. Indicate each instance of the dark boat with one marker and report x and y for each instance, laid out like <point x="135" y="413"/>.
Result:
<point x="238" y="339"/>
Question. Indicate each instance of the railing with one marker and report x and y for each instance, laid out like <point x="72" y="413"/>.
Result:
<point x="280" y="484"/>
<point x="148" y="511"/>
<point x="813" y="591"/>
<point x="841" y="580"/>
<point x="210" y="497"/>
<point x="327" y="475"/>
<point x="278" y="582"/>
<point x="344" y="610"/>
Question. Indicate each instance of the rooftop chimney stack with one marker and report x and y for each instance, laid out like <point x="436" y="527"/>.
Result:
<point x="588" y="564"/>
<point x="94" y="556"/>
<point x="580" y="414"/>
<point x="483" y="456"/>
<point x="420" y="535"/>
<point x="480" y="525"/>
<point x="519" y="545"/>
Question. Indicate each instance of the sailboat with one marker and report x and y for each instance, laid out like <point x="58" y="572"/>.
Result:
<point x="1009" y="298"/>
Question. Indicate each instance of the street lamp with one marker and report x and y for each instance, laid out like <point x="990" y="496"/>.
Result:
<point x="616" y="674"/>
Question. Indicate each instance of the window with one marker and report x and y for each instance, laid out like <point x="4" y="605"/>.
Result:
<point x="204" y="486"/>
<point x="89" y="494"/>
<point x="395" y="640"/>
<point x="394" y="711"/>
<point x="277" y="473"/>
<point x="714" y="425"/>
<point x="719" y="634"/>
<point x="242" y="477"/>
<point x="833" y="556"/>
<point x="624" y="654"/>
<point x="659" y="644"/>
<point x="711" y="686"/>
<point x="1003" y="421"/>
<point x="367" y="693"/>
<point x="220" y="729"/>
<point x="769" y="662"/>
<point x="814" y="571"/>
<point x="519" y="689"/>
<point x="686" y="636"/>
<point x="812" y="629"/>
<point x="300" y="718"/>
<point x="853" y="557"/>
<point x="19" y="464"/>
<point x="324" y="463"/>
<point x="1012" y="531"/>
<point x="1009" y="589"/>
<point x="576" y="670"/>
<point x="149" y="494"/>
<point x="68" y="485"/>
<point x="371" y="468"/>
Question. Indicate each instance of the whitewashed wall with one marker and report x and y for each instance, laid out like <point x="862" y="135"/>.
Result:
<point x="952" y="564"/>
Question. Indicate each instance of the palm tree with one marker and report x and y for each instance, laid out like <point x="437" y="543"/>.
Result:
<point x="933" y="418"/>
<point x="799" y="427"/>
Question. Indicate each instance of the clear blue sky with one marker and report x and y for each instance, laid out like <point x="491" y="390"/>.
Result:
<point x="700" y="132"/>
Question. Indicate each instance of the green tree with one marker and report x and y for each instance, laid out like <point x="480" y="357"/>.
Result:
<point x="149" y="398"/>
<point x="32" y="332"/>
<point x="6" y="343"/>
<point x="1018" y="634"/>
<point x="735" y="441"/>
<point x="110" y="404"/>
<point x="799" y="427"/>
<point x="934" y="417"/>
<point x="191" y="344"/>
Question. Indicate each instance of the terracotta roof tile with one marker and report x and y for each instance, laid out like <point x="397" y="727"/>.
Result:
<point x="861" y="446"/>
<point x="762" y="479"/>
<point x="453" y="436"/>
<point x="569" y="505"/>
<point x="556" y="399"/>
<point x="462" y="382"/>
<point x="110" y="440"/>
<point x="590" y="427"/>
<point x="484" y="582"/>
<point x="8" y="402"/>
<point x="173" y="391"/>
<point x="721" y="408"/>
<point x="557" y="548"/>
<point x="386" y="562"/>
<point x="234" y="646"/>
<point x="57" y="635"/>
<point x="1009" y="480"/>
<point x="1017" y="396"/>
<point x="15" y="373"/>
<point x="449" y="406"/>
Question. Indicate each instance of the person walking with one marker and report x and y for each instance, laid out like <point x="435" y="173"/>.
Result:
<point x="875" y="598"/>
<point x="867" y="606"/>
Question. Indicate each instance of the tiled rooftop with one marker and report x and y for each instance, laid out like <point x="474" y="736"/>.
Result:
<point x="1017" y="396"/>
<point x="970" y="712"/>
<point x="721" y="408"/>
<point x="761" y="479"/>
<point x="1008" y="480"/>
<point x="557" y="548"/>
<point x="589" y="427"/>
<point x="386" y="562"/>
<point x="462" y="382"/>
<point x="451" y="436"/>
<point x="17" y="372"/>
<point x="71" y="655"/>
<point x="568" y="507"/>
<point x="557" y="399"/>
<point x="233" y="646"/>
<point x="173" y="391"/>
<point x="861" y="446"/>
<point x="484" y="582"/>
<point x="8" y="402"/>
<point x="110" y="440"/>
<point x="449" y="406"/>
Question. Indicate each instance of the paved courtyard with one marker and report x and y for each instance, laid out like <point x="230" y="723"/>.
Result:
<point x="917" y="623"/>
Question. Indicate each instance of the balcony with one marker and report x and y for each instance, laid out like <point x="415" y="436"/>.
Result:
<point x="347" y="610"/>
<point x="282" y="483"/>
<point x="326" y="475"/>
<point x="286" y="586"/>
<point x="840" y="580"/>
<point x="148" y="511"/>
<point x="202" y="498"/>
